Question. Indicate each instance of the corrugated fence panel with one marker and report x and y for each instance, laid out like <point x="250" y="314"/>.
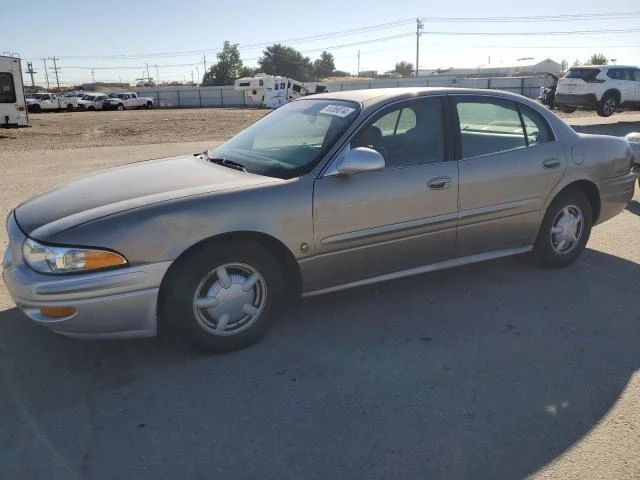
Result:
<point x="190" y="97"/>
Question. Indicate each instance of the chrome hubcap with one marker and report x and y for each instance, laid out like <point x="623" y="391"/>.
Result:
<point x="567" y="229"/>
<point x="230" y="299"/>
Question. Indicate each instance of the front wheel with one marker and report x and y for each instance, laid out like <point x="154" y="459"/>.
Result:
<point x="565" y="230"/>
<point x="69" y="108"/>
<point x="607" y="105"/>
<point x="148" y="106"/>
<point x="120" y="107"/>
<point x="221" y="297"/>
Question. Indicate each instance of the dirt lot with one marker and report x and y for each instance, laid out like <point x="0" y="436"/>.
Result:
<point x="496" y="370"/>
<point x="136" y="127"/>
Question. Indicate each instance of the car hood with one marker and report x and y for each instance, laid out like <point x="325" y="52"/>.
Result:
<point x="127" y="187"/>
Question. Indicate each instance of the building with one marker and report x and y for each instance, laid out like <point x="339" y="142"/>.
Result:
<point x="528" y="66"/>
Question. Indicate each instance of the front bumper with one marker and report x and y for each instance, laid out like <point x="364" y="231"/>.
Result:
<point x="119" y="303"/>
<point x="583" y="100"/>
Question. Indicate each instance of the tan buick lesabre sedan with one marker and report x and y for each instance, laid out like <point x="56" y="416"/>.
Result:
<point x="328" y="192"/>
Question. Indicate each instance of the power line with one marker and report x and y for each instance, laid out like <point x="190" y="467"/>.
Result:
<point x="567" y="32"/>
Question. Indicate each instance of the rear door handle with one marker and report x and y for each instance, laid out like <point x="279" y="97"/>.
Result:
<point x="551" y="163"/>
<point x="440" y="183"/>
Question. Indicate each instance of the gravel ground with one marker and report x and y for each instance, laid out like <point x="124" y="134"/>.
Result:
<point x="496" y="370"/>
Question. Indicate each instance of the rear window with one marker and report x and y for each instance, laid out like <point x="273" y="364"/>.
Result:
<point x="7" y="88"/>
<point x="583" y="73"/>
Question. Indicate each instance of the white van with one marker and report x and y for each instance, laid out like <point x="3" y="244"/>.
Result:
<point x="13" y="108"/>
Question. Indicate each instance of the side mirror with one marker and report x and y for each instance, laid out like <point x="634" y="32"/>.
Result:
<point x="361" y="159"/>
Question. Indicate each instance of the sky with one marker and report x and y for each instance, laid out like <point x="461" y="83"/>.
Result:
<point x="120" y="39"/>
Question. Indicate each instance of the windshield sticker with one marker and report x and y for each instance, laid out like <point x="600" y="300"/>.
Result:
<point x="337" y="110"/>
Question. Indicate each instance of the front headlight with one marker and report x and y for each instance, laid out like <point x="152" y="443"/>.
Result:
<point x="59" y="259"/>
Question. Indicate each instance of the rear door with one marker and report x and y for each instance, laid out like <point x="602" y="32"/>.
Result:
<point x="404" y="216"/>
<point x="509" y="162"/>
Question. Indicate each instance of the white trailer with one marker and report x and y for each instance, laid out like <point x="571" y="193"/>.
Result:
<point x="272" y="91"/>
<point x="13" y="107"/>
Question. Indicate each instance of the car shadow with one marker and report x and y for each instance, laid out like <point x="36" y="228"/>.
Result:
<point x="619" y="129"/>
<point x="486" y="371"/>
<point x="634" y="207"/>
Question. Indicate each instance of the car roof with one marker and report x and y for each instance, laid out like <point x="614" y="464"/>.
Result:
<point x="603" y="66"/>
<point x="382" y="95"/>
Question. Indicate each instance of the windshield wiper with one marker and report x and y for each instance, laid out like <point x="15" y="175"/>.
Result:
<point x="225" y="162"/>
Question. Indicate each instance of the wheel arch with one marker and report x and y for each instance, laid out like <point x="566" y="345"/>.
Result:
<point x="284" y="256"/>
<point x="587" y="187"/>
<point x="612" y="91"/>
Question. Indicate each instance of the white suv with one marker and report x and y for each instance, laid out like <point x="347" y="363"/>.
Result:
<point x="603" y="87"/>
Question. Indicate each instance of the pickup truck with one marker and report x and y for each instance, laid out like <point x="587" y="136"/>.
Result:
<point x="127" y="101"/>
<point x="92" y="101"/>
<point x="40" y="102"/>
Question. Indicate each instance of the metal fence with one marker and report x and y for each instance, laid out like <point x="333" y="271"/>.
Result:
<point x="202" y="97"/>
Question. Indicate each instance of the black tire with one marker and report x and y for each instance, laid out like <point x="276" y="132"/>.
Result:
<point x="567" y="109"/>
<point x="36" y="108"/>
<point x="120" y="107"/>
<point x="91" y="108"/>
<point x="69" y="108"/>
<point x="188" y="279"/>
<point x="148" y="106"/>
<point x="547" y="249"/>
<point x="608" y="105"/>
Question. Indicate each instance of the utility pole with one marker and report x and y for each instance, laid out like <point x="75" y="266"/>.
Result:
<point x="148" y="76"/>
<point x="55" y="69"/>
<point x="358" y="63"/>
<point x="191" y="77"/>
<point x="419" y="27"/>
<point x="198" y="72"/>
<point x="46" y="75"/>
<point x="204" y="62"/>
<point x="31" y="72"/>
<point x="157" y="75"/>
<point x="93" y="78"/>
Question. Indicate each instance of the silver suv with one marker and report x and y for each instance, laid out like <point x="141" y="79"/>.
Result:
<point x="603" y="87"/>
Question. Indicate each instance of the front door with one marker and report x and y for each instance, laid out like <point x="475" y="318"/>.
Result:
<point x="509" y="162"/>
<point x="404" y="216"/>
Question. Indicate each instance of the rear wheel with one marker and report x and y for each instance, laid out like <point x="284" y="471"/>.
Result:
<point x="565" y="230"/>
<point x="608" y="105"/>
<point x="69" y="108"/>
<point x="36" y="108"/>
<point x="120" y="107"/>
<point x="222" y="296"/>
<point x="148" y="106"/>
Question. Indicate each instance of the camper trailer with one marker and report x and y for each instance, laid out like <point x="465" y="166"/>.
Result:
<point x="13" y="109"/>
<point x="272" y="91"/>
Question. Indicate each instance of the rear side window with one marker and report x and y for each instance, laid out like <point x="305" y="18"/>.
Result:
<point x="536" y="127"/>
<point x="585" y="74"/>
<point x="489" y="127"/>
<point x="7" y="88"/>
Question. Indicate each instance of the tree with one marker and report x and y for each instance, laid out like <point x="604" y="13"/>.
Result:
<point x="576" y="63"/>
<point x="564" y="65"/>
<point x="247" y="72"/>
<point x="597" y="59"/>
<point x="323" y="66"/>
<point x="404" y="69"/>
<point x="227" y="70"/>
<point x="286" y="61"/>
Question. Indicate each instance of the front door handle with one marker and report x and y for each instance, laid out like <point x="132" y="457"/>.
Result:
<point x="440" y="183"/>
<point x="551" y="163"/>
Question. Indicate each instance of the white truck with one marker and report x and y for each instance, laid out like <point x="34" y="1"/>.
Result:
<point x="43" y="101"/>
<point x="13" y="108"/>
<point x="127" y="101"/>
<point x="272" y="91"/>
<point x="92" y="101"/>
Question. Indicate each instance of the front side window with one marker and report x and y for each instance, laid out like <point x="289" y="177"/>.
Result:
<point x="489" y="126"/>
<point x="292" y="139"/>
<point x="406" y="135"/>
<point x="7" y="88"/>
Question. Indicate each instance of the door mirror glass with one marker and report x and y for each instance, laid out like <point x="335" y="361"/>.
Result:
<point x="361" y="159"/>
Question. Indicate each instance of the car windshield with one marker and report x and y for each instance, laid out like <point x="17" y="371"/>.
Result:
<point x="90" y="98"/>
<point x="291" y="140"/>
<point x="582" y="73"/>
<point x="34" y="96"/>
